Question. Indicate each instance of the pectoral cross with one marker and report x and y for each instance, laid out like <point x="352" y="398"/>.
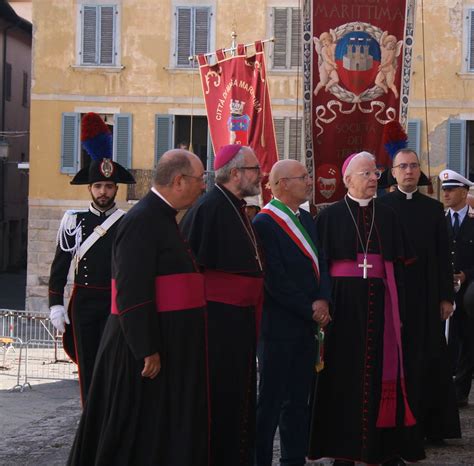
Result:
<point x="365" y="266"/>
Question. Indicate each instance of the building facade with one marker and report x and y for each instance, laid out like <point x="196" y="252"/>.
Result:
<point x="15" y="76"/>
<point x="128" y="61"/>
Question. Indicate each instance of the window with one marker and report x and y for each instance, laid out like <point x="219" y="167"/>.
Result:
<point x="456" y="146"/>
<point x="470" y="41"/>
<point x="24" y="98"/>
<point x="289" y="138"/>
<point x="72" y="156"/>
<point x="8" y="81"/>
<point x="193" y="26"/>
<point x="287" y="33"/>
<point x="98" y="45"/>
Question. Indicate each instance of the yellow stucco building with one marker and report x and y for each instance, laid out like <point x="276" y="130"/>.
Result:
<point x="128" y="61"/>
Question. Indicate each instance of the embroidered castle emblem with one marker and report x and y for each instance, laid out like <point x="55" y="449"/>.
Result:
<point x="238" y="123"/>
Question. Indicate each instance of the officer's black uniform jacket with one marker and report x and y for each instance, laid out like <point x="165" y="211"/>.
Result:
<point x="94" y="269"/>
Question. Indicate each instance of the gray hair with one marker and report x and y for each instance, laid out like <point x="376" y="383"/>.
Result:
<point x="223" y="173"/>
<point x="170" y="167"/>
<point x="350" y="167"/>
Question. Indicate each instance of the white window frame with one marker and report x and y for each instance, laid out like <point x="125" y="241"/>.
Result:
<point x="174" y="32"/>
<point x="271" y="28"/>
<point x="117" y="63"/>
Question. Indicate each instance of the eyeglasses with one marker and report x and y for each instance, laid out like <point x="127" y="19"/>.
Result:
<point x="404" y="166"/>
<point x="302" y="178"/>
<point x="367" y="174"/>
<point x="199" y="178"/>
<point x="255" y="167"/>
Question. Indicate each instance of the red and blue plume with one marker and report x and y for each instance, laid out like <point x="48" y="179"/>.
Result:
<point x="394" y="138"/>
<point x="96" y="137"/>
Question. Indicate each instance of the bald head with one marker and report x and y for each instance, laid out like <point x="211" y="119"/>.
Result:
<point x="282" y="169"/>
<point x="175" y="162"/>
<point x="289" y="182"/>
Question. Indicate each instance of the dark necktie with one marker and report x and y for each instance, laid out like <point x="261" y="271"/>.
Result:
<point x="456" y="224"/>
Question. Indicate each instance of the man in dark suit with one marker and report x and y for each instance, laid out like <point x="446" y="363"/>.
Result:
<point x="296" y="300"/>
<point x="460" y="220"/>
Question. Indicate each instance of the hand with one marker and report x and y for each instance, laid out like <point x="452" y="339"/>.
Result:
<point x="152" y="366"/>
<point x="59" y="317"/>
<point x="321" y="312"/>
<point x="446" y="309"/>
<point x="460" y="276"/>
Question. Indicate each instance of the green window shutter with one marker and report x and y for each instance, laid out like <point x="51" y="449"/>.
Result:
<point x="123" y="139"/>
<point x="70" y="143"/>
<point x="280" y="28"/>
<point x="183" y="35"/>
<point x="163" y="135"/>
<point x="279" y="124"/>
<point x="89" y="35"/>
<point x="295" y="144"/>
<point x="202" y="22"/>
<point x="456" y="146"/>
<point x="470" y="43"/>
<point x="414" y="135"/>
<point x="107" y="34"/>
<point x="296" y="44"/>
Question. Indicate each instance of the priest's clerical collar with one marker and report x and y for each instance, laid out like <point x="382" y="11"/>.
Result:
<point x="98" y="212"/>
<point x="409" y="196"/>
<point x="361" y="202"/>
<point x="296" y="212"/>
<point x="161" y="197"/>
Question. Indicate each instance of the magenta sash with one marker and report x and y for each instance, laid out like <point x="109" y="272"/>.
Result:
<point x="392" y="341"/>
<point x="236" y="290"/>
<point x="175" y="292"/>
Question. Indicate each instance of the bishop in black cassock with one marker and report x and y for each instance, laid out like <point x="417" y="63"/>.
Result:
<point x="361" y="411"/>
<point x="224" y="243"/>
<point x="148" y="400"/>
<point x="429" y="292"/>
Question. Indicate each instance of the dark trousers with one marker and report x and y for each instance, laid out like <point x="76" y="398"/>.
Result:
<point x="286" y="372"/>
<point x="462" y="344"/>
<point x="88" y="311"/>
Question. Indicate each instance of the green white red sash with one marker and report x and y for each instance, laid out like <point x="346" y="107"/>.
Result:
<point x="292" y="226"/>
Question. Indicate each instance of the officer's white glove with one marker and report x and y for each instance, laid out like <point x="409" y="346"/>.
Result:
<point x="59" y="317"/>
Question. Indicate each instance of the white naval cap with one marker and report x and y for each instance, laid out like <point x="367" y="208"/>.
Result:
<point x="451" y="179"/>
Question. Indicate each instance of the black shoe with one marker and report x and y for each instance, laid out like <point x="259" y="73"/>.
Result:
<point x="343" y="463"/>
<point x="394" y="462"/>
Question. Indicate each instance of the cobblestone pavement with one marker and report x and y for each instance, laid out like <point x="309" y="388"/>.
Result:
<point x="37" y="427"/>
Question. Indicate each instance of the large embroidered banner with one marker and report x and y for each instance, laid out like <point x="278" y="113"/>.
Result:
<point x="356" y="79"/>
<point x="238" y="105"/>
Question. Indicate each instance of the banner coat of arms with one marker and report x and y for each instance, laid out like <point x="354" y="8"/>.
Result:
<point x="357" y="62"/>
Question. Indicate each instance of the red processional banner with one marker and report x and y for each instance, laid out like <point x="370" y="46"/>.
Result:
<point x="356" y="79"/>
<point x="238" y="105"/>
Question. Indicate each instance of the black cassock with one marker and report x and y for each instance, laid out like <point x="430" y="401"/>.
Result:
<point x="129" y="419"/>
<point x="349" y="390"/>
<point x="222" y="246"/>
<point x="428" y="281"/>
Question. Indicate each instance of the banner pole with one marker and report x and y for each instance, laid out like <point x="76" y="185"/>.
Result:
<point x="231" y="49"/>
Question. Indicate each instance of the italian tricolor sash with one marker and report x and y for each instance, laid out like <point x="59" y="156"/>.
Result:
<point x="292" y="226"/>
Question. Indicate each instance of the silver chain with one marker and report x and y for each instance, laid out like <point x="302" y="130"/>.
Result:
<point x="249" y="231"/>
<point x="366" y="249"/>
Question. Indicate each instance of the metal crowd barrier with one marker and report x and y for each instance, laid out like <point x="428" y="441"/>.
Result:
<point x="32" y="349"/>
